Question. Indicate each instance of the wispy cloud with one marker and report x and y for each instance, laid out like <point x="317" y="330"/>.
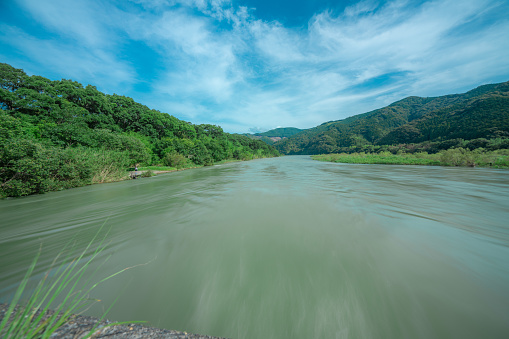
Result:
<point x="61" y="59"/>
<point x="214" y="61"/>
<point x="83" y="21"/>
<point x="197" y="61"/>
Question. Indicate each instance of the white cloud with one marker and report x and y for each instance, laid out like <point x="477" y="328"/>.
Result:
<point x="197" y="61"/>
<point x="362" y="7"/>
<point x="277" y="42"/>
<point x="309" y="77"/>
<point x="78" y="19"/>
<point x="226" y="65"/>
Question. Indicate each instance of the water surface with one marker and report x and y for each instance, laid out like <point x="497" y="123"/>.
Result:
<point x="287" y="248"/>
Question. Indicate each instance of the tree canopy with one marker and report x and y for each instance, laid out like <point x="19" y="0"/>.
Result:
<point x="59" y="134"/>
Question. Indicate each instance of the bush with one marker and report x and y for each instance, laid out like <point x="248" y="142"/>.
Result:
<point x="28" y="167"/>
<point x="477" y="143"/>
<point x="457" y="157"/>
<point x="174" y="159"/>
<point x="147" y="174"/>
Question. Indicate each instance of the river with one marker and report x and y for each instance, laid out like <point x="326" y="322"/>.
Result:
<point x="286" y="248"/>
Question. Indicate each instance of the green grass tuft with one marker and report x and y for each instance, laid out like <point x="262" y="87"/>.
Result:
<point x="28" y="320"/>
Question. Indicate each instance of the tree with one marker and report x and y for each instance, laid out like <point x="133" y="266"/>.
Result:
<point x="174" y="159"/>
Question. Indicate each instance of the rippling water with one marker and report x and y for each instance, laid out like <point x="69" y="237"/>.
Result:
<point x="287" y="248"/>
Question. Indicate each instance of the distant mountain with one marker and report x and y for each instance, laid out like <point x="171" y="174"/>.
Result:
<point x="479" y="113"/>
<point x="282" y="132"/>
<point x="270" y="137"/>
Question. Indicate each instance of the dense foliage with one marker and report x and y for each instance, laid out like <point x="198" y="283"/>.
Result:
<point x="59" y="134"/>
<point x="423" y="123"/>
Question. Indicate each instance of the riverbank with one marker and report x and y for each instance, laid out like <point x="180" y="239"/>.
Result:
<point x="169" y="169"/>
<point x="155" y="170"/>
<point x="79" y="326"/>
<point x="149" y="171"/>
<point x="451" y="157"/>
<point x="109" y="175"/>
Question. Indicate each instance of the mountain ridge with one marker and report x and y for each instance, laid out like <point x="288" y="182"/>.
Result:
<point x="411" y="120"/>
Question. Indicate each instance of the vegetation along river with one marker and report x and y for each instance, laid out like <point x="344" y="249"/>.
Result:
<point x="286" y="248"/>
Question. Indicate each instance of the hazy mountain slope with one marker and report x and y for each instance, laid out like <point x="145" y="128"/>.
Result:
<point x="481" y="112"/>
<point x="282" y="132"/>
<point x="485" y="116"/>
<point x="270" y="137"/>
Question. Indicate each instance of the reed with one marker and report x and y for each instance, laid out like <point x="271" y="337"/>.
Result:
<point x="450" y="157"/>
<point x="67" y="287"/>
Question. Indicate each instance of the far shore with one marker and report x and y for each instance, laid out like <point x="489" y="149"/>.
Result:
<point x="451" y="157"/>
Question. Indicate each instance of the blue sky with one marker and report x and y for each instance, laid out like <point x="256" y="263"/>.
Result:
<point x="254" y="65"/>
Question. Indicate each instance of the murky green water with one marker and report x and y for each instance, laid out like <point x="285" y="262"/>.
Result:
<point x="288" y="248"/>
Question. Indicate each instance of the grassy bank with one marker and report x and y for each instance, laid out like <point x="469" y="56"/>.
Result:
<point x="27" y="167"/>
<point x="160" y="168"/>
<point x="156" y="169"/>
<point x="451" y="157"/>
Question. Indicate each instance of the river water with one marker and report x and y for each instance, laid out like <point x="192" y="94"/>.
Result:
<point x="286" y="248"/>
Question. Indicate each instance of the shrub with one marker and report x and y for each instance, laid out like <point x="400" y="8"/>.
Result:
<point x="28" y="167"/>
<point x="457" y="157"/>
<point x="147" y="174"/>
<point x="175" y="159"/>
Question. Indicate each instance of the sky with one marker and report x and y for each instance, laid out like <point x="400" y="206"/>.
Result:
<point x="255" y="65"/>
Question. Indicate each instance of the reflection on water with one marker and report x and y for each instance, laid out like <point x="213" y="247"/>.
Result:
<point x="288" y="248"/>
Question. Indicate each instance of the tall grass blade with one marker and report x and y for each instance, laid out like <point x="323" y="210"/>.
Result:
<point x="68" y="285"/>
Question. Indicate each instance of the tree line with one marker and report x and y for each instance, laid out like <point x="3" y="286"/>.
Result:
<point x="61" y="134"/>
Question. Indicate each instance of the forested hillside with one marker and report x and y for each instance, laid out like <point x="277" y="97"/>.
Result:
<point x="281" y="132"/>
<point x="273" y="135"/>
<point x="59" y="134"/>
<point x="482" y="113"/>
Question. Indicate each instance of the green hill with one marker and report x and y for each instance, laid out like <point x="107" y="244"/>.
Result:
<point x="274" y="135"/>
<point x="282" y="132"/>
<point x="479" y="113"/>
